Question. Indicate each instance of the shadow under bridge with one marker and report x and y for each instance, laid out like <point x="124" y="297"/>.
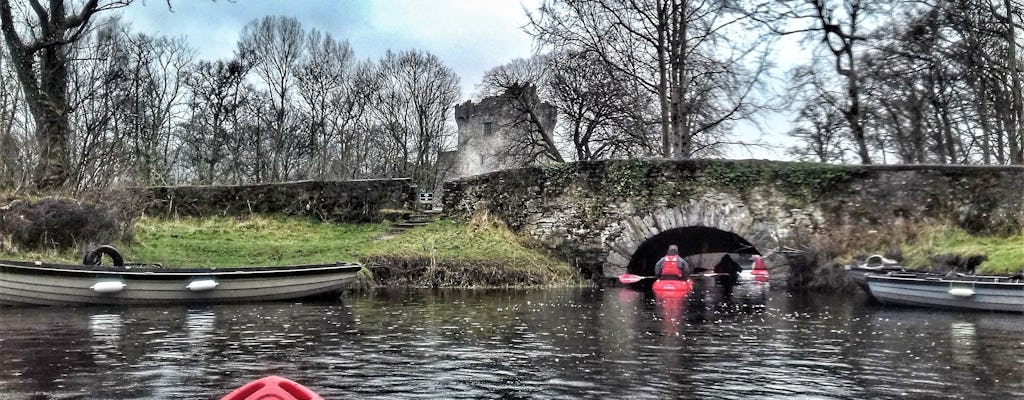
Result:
<point x="702" y="247"/>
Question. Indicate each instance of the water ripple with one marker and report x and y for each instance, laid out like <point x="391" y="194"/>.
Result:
<point x="505" y="344"/>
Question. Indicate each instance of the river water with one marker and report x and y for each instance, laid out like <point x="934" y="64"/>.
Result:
<point x="518" y="344"/>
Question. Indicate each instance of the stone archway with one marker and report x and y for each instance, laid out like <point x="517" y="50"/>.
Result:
<point x="724" y="216"/>
<point x="691" y="240"/>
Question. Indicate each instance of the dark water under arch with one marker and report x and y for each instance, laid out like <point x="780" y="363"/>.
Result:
<point x="691" y="240"/>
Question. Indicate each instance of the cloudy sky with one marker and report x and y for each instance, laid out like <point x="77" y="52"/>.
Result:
<point x="470" y="36"/>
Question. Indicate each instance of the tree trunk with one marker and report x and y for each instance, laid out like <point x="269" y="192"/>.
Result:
<point x="663" y="95"/>
<point x="53" y="128"/>
<point x="854" y="116"/>
<point x="681" y="111"/>
<point x="1018" y="105"/>
<point x="45" y="84"/>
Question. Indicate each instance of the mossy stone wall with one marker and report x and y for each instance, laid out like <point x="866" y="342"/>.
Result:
<point x="339" y="201"/>
<point x="597" y="213"/>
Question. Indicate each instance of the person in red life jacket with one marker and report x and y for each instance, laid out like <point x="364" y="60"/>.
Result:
<point x="672" y="266"/>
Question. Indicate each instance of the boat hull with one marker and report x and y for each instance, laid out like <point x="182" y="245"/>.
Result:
<point x="672" y="288"/>
<point x="24" y="283"/>
<point x="947" y="293"/>
<point x="858" y="274"/>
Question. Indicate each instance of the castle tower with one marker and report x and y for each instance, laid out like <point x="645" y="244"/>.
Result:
<point x="491" y="134"/>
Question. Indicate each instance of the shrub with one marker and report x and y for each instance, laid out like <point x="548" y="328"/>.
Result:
<point x="818" y="262"/>
<point x="54" y="223"/>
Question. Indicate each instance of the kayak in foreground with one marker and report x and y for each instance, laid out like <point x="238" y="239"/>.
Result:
<point x="272" y="388"/>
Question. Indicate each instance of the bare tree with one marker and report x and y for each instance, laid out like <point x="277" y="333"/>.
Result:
<point x="274" y="46"/>
<point x="413" y="107"/>
<point x="98" y="108"/>
<point x="38" y="47"/>
<point x="841" y="30"/>
<point x="10" y="105"/>
<point x="603" y="113"/>
<point x="841" y="41"/>
<point x="212" y="142"/>
<point x="822" y="131"/>
<point x="937" y="86"/>
<point x="520" y="85"/>
<point x="336" y="91"/>
<point x="699" y="60"/>
<point x="158" y="67"/>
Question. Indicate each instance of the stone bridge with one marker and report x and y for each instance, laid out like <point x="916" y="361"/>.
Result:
<point x="618" y="216"/>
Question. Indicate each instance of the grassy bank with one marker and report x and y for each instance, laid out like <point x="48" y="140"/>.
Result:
<point x="818" y="260"/>
<point x="258" y="240"/>
<point x="443" y="253"/>
<point x="1005" y="254"/>
<point x="926" y="247"/>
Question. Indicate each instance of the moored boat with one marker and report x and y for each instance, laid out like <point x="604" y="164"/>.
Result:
<point x="37" y="283"/>
<point x="992" y="293"/>
<point x="874" y="264"/>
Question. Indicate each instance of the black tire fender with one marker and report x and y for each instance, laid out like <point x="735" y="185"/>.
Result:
<point x="95" y="256"/>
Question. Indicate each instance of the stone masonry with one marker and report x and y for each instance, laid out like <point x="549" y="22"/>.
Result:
<point x="339" y="201"/>
<point x="597" y="214"/>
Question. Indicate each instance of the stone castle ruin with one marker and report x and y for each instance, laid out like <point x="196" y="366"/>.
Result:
<point x="488" y="131"/>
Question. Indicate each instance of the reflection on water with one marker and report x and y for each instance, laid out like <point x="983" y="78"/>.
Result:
<point x="717" y="342"/>
<point x="963" y="336"/>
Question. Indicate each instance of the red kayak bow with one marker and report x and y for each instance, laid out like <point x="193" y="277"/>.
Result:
<point x="272" y="388"/>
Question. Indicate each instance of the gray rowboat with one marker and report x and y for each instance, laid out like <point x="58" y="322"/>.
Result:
<point x="36" y="283"/>
<point x="958" y="291"/>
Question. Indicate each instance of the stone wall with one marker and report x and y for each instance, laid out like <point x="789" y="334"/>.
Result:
<point x="597" y="214"/>
<point x="339" y="201"/>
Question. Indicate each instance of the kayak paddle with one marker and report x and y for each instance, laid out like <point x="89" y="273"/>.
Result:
<point x="630" y="278"/>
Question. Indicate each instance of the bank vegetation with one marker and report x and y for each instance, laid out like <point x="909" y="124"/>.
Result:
<point x="938" y="247"/>
<point x="481" y="252"/>
<point x="478" y="253"/>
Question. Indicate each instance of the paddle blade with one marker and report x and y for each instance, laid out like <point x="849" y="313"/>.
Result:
<point x="630" y="278"/>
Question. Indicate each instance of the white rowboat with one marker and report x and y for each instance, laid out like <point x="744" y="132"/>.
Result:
<point x="36" y="283"/>
<point x="956" y="291"/>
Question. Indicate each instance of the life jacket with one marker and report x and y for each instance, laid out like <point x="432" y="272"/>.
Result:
<point x="671" y="266"/>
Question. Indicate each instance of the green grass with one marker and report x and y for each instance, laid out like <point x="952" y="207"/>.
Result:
<point x="1005" y="253"/>
<point x="258" y="240"/>
<point x="278" y="240"/>
<point x="465" y="241"/>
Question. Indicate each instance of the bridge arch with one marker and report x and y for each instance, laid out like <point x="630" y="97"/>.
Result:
<point x="691" y="240"/>
<point x="714" y="223"/>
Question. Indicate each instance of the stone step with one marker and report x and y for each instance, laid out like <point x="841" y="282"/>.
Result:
<point x="408" y="225"/>
<point x="399" y="227"/>
<point x="415" y="220"/>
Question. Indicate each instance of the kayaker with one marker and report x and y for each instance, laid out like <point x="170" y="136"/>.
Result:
<point x="728" y="270"/>
<point x="672" y="266"/>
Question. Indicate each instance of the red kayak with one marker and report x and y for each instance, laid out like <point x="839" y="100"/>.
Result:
<point x="674" y="288"/>
<point x="272" y="388"/>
